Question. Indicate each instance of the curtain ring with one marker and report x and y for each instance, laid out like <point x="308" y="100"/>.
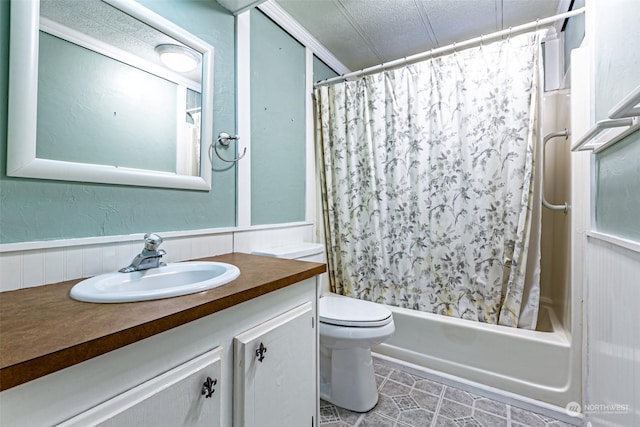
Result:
<point x="481" y="41"/>
<point x="454" y="48"/>
<point x="509" y="35"/>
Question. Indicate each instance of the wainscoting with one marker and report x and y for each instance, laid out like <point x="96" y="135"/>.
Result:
<point x="28" y="264"/>
<point x="612" y="293"/>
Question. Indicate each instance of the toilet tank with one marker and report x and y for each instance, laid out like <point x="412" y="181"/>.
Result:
<point x="313" y="252"/>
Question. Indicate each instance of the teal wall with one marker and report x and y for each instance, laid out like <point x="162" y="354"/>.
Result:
<point x="277" y="124"/>
<point x="573" y="34"/>
<point x="4" y="90"/>
<point x="617" y="67"/>
<point x="32" y="209"/>
<point x="321" y="71"/>
<point x="617" y="30"/>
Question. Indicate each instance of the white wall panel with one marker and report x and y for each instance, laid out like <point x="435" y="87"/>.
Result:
<point x="92" y="260"/>
<point x="53" y="261"/>
<point x="10" y="271"/>
<point x="73" y="262"/>
<point x="613" y="337"/>
<point x="32" y="269"/>
<point x="53" y="266"/>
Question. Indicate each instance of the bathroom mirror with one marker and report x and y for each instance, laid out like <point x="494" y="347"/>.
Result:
<point x="91" y="100"/>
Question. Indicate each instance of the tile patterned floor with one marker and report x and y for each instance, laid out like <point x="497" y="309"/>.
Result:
<point x="407" y="400"/>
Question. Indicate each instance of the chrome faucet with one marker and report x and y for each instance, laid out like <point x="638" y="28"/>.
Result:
<point x="149" y="257"/>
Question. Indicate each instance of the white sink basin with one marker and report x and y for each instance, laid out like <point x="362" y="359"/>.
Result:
<point x="168" y="281"/>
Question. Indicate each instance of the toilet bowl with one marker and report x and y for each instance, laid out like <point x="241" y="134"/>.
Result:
<point x="348" y="329"/>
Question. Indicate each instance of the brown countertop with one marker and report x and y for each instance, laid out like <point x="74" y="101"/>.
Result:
<point x="43" y="330"/>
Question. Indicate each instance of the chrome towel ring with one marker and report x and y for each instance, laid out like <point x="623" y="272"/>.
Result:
<point x="224" y="140"/>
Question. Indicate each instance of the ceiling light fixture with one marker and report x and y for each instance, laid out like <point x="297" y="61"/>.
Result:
<point x="179" y="58"/>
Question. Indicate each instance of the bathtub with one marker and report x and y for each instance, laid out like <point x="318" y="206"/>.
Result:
<point x="535" y="364"/>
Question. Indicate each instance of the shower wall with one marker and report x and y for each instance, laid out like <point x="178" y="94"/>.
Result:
<point x="555" y="278"/>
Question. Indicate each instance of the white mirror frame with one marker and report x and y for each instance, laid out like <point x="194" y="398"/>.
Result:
<point x="23" y="98"/>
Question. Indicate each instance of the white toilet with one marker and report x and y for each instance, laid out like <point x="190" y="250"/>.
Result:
<point x="348" y="329"/>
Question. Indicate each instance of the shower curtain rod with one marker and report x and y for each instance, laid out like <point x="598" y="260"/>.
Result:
<point x="454" y="46"/>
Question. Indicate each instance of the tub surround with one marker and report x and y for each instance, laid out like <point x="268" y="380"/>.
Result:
<point x="44" y="330"/>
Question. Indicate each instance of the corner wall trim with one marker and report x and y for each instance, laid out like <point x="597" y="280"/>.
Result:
<point x="298" y="32"/>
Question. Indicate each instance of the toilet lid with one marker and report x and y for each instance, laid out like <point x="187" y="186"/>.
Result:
<point x="344" y="311"/>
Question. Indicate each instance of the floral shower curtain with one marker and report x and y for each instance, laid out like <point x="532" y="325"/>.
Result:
<point x="427" y="180"/>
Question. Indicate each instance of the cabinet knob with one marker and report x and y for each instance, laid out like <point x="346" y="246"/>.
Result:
<point x="260" y="352"/>
<point x="207" y="387"/>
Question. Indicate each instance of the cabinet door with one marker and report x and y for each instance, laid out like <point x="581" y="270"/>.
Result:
<point x="275" y="372"/>
<point x="187" y="395"/>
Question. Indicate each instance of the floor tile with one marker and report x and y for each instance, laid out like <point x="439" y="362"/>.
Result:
<point x="545" y="418"/>
<point x="416" y="417"/>
<point x="526" y="418"/>
<point x="379" y="380"/>
<point x="558" y="424"/>
<point x="425" y="400"/>
<point x="329" y="414"/>
<point x="453" y="410"/>
<point x="408" y="400"/>
<point x="459" y="396"/>
<point x="333" y="415"/>
<point x="405" y="403"/>
<point x="392" y="388"/>
<point x="386" y="406"/>
<point x="486" y="419"/>
<point x="382" y="369"/>
<point x="443" y="421"/>
<point x="348" y="416"/>
<point x="468" y="422"/>
<point x="373" y="419"/>
<point x="402" y="378"/>
<point x="488" y="405"/>
<point x="429" y="387"/>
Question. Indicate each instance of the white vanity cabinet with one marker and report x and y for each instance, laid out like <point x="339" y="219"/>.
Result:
<point x="158" y="381"/>
<point x="187" y="395"/>
<point x="274" y="371"/>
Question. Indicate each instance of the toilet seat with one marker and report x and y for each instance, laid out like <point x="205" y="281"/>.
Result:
<point x="351" y="312"/>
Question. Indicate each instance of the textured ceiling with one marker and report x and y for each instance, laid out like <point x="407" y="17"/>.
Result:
<point x="362" y="33"/>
